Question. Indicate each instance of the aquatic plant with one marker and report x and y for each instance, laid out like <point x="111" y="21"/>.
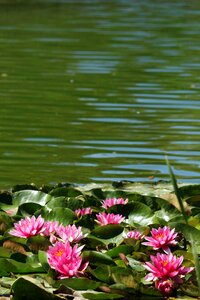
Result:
<point x="134" y="234"/>
<point x="105" y="219"/>
<point x="28" y="227"/>
<point x="109" y="202"/>
<point x="124" y="246"/>
<point x="66" y="260"/>
<point x="161" y="238"/>
<point x="79" y="212"/>
<point x="70" y="233"/>
<point x="167" y="271"/>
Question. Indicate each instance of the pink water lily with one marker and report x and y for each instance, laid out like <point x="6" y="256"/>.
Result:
<point x="70" y="233"/>
<point x="51" y="229"/>
<point x="109" y="202"/>
<point x="28" y="227"/>
<point x="83" y="211"/>
<point x="166" y="266"/>
<point x="134" y="234"/>
<point x="161" y="238"/>
<point x="166" y="286"/>
<point x="66" y="260"/>
<point x="105" y="219"/>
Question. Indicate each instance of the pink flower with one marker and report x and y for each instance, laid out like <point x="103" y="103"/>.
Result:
<point x="113" y="201"/>
<point x="165" y="267"/>
<point x="166" y="286"/>
<point x="70" y="233"/>
<point x="161" y="238"/>
<point x="51" y="229"/>
<point x="105" y="219"/>
<point x="134" y="234"/>
<point x="28" y="227"/>
<point x="83" y="211"/>
<point x="66" y="260"/>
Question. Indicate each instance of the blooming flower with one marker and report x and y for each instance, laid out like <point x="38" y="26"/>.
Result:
<point x="66" y="260"/>
<point x="70" y="233"/>
<point x="113" y="201"/>
<point x="28" y="227"/>
<point x="167" y="271"/>
<point x="161" y="238"/>
<point x="165" y="286"/>
<point x="134" y="234"/>
<point x="105" y="219"/>
<point x="51" y="229"/>
<point x="83" y="211"/>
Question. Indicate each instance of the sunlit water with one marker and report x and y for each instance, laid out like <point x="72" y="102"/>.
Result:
<point x="99" y="91"/>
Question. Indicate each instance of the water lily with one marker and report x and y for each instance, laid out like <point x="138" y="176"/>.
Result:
<point x="66" y="260"/>
<point x="166" y="287"/>
<point x="70" y="233"/>
<point x="83" y="211"/>
<point x="28" y="227"/>
<point x="166" y="270"/>
<point x="109" y="202"/>
<point x="134" y="234"/>
<point x="105" y="219"/>
<point x="51" y="229"/>
<point x="161" y="238"/>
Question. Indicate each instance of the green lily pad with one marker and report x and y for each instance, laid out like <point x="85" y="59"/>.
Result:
<point x="107" y="231"/>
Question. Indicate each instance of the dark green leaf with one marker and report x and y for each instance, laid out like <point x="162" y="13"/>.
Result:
<point x="125" y="249"/>
<point x="103" y="273"/>
<point x="101" y="296"/>
<point x="30" y="290"/>
<point x="79" y="283"/>
<point x="42" y="256"/>
<point x="8" y="266"/>
<point x="107" y="231"/>
<point x="96" y="258"/>
<point x="66" y="192"/>
<point x="63" y="215"/>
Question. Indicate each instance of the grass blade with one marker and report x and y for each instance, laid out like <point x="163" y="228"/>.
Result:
<point x="176" y="190"/>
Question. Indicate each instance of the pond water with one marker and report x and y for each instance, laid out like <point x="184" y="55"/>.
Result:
<point x="99" y="90"/>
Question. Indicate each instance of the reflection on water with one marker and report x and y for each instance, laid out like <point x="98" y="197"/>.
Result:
<point x="99" y="90"/>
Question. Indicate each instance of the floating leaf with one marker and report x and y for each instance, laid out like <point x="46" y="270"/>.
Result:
<point x="96" y="258"/>
<point x="93" y="295"/>
<point x="8" y="266"/>
<point x="108" y="231"/>
<point x="126" y="277"/>
<point x="42" y="257"/>
<point x="140" y="214"/>
<point x="79" y="283"/>
<point x="135" y="264"/>
<point x="103" y="273"/>
<point x="29" y="289"/>
<point x="125" y="249"/>
<point x="63" y="215"/>
<point x="30" y="196"/>
<point x="66" y="192"/>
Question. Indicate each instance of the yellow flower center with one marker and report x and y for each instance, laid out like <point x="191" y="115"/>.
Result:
<point x="59" y="253"/>
<point x="165" y="262"/>
<point x="160" y="235"/>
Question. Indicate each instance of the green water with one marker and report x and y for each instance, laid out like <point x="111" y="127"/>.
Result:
<point x="99" y="90"/>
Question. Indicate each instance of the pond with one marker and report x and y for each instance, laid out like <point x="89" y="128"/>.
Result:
<point x="99" y="90"/>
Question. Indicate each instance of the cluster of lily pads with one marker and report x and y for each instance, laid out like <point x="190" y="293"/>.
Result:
<point x="120" y="241"/>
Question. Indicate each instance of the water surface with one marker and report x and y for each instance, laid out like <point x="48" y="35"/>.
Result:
<point x="99" y="90"/>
